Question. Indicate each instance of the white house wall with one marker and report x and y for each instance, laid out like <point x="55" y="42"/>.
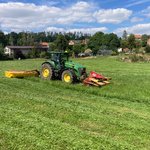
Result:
<point x="8" y="51"/>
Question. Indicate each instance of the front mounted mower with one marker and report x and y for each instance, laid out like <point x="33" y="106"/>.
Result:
<point x="96" y="79"/>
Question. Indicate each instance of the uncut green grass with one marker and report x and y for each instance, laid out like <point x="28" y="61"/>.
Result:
<point x="37" y="114"/>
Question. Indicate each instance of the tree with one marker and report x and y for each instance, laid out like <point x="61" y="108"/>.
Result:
<point x="30" y="39"/>
<point x="3" y="41"/>
<point x="52" y="46"/>
<point x="131" y="41"/>
<point x="12" y="38"/>
<point x="1" y="51"/>
<point x="138" y="44"/>
<point x="101" y="40"/>
<point x="124" y="41"/>
<point x="147" y="49"/>
<point x="124" y="44"/>
<point x="124" y="35"/>
<point x="114" y="42"/>
<point x="144" y="40"/>
<point x="22" y="39"/>
<point x="106" y="40"/>
<point x="96" y="41"/>
<point x="61" y="42"/>
<point x="78" y="48"/>
<point x="41" y="36"/>
<point x="11" y="42"/>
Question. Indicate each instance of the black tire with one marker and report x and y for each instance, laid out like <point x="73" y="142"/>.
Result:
<point x="47" y="72"/>
<point x="68" y="76"/>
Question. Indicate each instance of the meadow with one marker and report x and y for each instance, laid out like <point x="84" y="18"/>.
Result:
<point x="43" y="115"/>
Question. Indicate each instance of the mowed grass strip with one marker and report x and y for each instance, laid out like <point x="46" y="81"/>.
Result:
<point x="37" y="114"/>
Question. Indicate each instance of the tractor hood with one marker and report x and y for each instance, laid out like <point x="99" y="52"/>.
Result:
<point x="71" y="64"/>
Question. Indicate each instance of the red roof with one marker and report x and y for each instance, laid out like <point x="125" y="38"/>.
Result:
<point x="138" y="36"/>
<point x="44" y="44"/>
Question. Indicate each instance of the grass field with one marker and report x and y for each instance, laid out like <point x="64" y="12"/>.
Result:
<point x="40" y="115"/>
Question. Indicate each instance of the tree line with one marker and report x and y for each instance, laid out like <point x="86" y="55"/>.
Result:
<point x="60" y="41"/>
<point x="30" y="38"/>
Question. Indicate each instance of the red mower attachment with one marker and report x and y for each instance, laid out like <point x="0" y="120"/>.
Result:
<point x="96" y="79"/>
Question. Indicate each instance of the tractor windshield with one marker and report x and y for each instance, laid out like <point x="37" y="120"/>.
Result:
<point x="59" y="57"/>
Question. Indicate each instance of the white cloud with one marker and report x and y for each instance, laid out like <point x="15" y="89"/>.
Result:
<point x="17" y="16"/>
<point x="112" y="15"/>
<point x="146" y="12"/>
<point x="24" y="16"/>
<point x="79" y="12"/>
<point x="83" y="30"/>
<point x="55" y="29"/>
<point x="20" y="16"/>
<point x="136" y="29"/>
<point x="136" y="19"/>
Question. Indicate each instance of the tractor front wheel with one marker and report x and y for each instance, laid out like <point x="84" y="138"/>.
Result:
<point x="47" y="72"/>
<point x="67" y="76"/>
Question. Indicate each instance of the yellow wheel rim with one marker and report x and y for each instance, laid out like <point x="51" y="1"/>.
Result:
<point x="45" y="73"/>
<point x="67" y="78"/>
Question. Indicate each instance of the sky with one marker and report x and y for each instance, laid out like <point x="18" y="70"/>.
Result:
<point x="87" y="16"/>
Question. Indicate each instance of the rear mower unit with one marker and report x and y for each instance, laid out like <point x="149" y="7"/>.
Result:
<point x="21" y="74"/>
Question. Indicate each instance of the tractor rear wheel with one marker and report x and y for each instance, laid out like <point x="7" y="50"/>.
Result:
<point x="47" y="72"/>
<point x="68" y="76"/>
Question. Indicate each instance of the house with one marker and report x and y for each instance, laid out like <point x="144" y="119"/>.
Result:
<point x="138" y="36"/>
<point x="13" y="50"/>
<point x="22" y="51"/>
<point x="74" y="42"/>
<point x="120" y="50"/>
<point x="71" y="42"/>
<point x="45" y="44"/>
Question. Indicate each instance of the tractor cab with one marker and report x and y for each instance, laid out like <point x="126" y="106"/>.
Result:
<point x="59" y="59"/>
<point x="59" y="56"/>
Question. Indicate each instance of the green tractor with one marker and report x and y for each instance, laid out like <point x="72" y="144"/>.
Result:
<point x="60" y="67"/>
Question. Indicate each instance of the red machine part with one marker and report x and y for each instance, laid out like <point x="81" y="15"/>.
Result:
<point x="96" y="79"/>
<point x="96" y="75"/>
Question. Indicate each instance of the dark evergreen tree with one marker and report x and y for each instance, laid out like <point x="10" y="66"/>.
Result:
<point x="1" y="51"/>
<point x="125" y="35"/>
<point x="61" y="42"/>
<point x="3" y="40"/>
